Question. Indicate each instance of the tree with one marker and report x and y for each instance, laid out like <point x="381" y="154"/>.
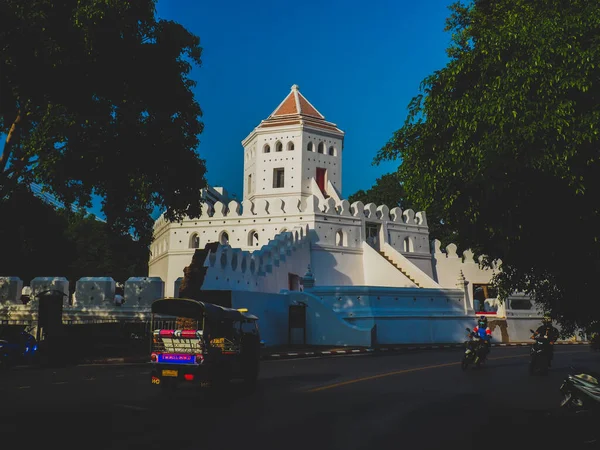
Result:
<point x="95" y="98"/>
<point x="99" y="252"/>
<point x="32" y="236"/>
<point x="39" y="240"/>
<point x="389" y="190"/>
<point x="503" y="142"/>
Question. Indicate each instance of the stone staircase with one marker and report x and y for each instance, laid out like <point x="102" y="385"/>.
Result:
<point x="399" y="268"/>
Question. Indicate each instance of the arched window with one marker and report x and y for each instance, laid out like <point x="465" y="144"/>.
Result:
<point x="339" y="238"/>
<point x="249" y="190"/>
<point x="278" y="146"/>
<point x="253" y="239"/>
<point x="290" y="145"/>
<point x="195" y="241"/>
<point x="331" y="151"/>
<point x="408" y="245"/>
<point x="321" y="147"/>
<point x="224" y="238"/>
<point x="310" y="147"/>
<point x="266" y="148"/>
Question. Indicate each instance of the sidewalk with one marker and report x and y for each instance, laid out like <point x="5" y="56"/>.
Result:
<point x="279" y="353"/>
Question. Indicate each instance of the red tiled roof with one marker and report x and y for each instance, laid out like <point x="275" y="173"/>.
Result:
<point x="296" y="109"/>
<point x="288" y="106"/>
<point x="307" y="109"/>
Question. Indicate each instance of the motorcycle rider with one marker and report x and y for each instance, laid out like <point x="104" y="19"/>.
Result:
<point x="484" y="332"/>
<point x="546" y="329"/>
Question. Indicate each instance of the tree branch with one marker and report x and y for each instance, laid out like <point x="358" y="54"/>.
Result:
<point x="9" y="143"/>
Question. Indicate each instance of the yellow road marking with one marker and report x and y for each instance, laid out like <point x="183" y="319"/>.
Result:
<point x="414" y="369"/>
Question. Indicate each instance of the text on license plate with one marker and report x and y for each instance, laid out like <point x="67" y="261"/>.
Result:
<point x="169" y="373"/>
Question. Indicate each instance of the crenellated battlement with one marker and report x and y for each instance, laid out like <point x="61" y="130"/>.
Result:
<point x="265" y="269"/>
<point x="259" y="261"/>
<point x="292" y="206"/>
<point x="451" y="253"/>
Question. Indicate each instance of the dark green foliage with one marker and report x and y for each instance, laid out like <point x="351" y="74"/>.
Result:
<point x="388" y="190"/>
<point x="39" y="241"/>
<point x="503" y="144"/>
<point x="95" y="99"/>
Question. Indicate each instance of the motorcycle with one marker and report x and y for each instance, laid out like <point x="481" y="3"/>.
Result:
<point x="581" y="391"/>
<point x="17" y="347"/>
<point x="539" y="355"/>
<point x="475" y="351"/>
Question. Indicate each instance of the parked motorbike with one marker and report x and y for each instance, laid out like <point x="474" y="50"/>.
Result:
<point x="475" y="351"/>
<point x="539" y="354"/>
<point x="17" y="347"/>
<point x="581" y="391"/>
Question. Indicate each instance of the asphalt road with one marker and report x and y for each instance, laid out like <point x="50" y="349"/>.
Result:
<point x="347" y="402"/>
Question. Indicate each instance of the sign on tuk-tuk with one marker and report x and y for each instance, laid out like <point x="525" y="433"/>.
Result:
<point x="200" y="343"/>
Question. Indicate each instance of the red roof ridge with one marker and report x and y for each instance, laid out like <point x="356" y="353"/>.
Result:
<point x="296" y="103"/>
<point x="296" y="109"/>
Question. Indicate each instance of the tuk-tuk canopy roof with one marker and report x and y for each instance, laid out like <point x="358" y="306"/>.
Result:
<point x="194" y="309"/>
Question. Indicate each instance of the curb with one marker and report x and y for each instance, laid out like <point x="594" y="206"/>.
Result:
<point x="125" y="360"/>
<point x="328" y="353"/>
<point x="316" y="353"/>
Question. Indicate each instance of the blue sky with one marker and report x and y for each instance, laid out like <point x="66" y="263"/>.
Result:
<point x="358" y="63"/>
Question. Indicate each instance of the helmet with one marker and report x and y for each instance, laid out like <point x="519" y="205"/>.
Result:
<point x="547" y="320"/>
<point x="483" y="321"/>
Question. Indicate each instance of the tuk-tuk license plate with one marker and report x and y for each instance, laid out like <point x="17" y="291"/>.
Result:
<point x="170" y="373"/>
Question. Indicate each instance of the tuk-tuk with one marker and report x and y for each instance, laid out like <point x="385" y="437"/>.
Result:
<point x="201" y="343"/>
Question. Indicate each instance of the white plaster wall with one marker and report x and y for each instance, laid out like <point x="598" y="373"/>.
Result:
<point x="142" y="291"/>
<point x="325" y="327"/>
<point x="249" y="168"/>
<point x="312" y="160"/>
<point x="448" y="266"/>
<point x="351" y="302"/>
<point x="10" y="290"/>
<point x="272" y="311"/>
<point x="41" y="284"/>
<point x="402" y="315"/>
<point x="160" y="266"/>
<point x="265" y="270"/>
<point x="435" y="330"/>
<point x="423" y="261"/>
<point x="94" y="291"/>
<point x="379" y="272"/>
<point x="337" y="266"/>
<point x="401" y="259"/>
<point x="179" y="261"/>
<point x="265" y="163"/>
<point x="268" y="217"/>
<point x="327" y="226"/>
<point x="419" y="237"/>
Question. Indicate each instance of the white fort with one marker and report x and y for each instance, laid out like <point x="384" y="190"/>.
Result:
<point x="367" y="273"/>
<point x="292" y="183"/>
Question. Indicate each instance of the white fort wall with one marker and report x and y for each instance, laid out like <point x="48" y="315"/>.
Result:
<point x="333" y="222"/>
<point x="264" y="270"/>
<point x="299" y="164"/>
